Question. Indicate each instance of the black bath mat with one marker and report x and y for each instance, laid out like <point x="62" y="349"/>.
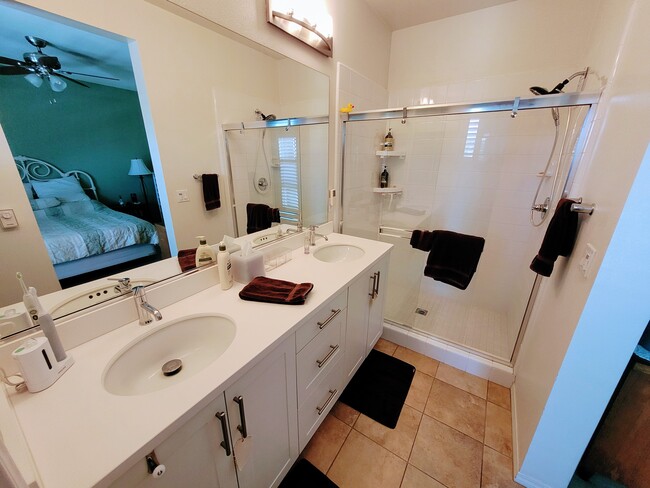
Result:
<point x="379" y="388"/>
<point x="304" y="474"/>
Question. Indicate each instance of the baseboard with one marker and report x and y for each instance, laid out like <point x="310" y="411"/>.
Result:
<point x="516" y="461"/>
<point x="448" y="354"/>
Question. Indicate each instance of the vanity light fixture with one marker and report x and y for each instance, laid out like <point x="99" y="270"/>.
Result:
<point x="308" y="22"/>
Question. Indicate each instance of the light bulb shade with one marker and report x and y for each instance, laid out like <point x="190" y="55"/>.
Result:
<point x="57" y="84"/>
<point x="138" y="168"/>
<point x="34" y="79"/>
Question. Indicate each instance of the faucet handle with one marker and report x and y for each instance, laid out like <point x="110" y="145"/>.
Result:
<point x="123" y="283"/>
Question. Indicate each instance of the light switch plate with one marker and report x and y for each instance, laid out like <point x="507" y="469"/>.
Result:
<point x="182" y="196"/>
<point x="8" y="218"/>
<point x="587" y="258"/>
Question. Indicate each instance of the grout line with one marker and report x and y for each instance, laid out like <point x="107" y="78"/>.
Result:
<point x="339" y="449"/>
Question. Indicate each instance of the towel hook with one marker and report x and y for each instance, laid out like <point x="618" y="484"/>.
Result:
<point x="515" y="107"/>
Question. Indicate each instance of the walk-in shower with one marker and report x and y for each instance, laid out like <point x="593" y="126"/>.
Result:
<point x="472" y="169"/>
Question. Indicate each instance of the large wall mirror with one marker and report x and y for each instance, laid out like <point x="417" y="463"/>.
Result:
<point x="141" y="138"/>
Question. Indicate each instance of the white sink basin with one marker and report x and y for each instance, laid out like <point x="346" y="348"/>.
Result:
<point x="197" y="341"/>
<point x="338" y="253"/>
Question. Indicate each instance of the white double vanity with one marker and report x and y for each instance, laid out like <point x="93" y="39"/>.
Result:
<point x="257" y="379"/>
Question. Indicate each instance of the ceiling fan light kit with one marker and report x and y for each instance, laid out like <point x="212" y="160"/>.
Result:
<point x="38" y="66"/>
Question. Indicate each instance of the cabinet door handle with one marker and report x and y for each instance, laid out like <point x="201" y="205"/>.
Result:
<point x="321" y="362"/>
<point x="224" y="427"/>
<point x="377" y="283"/>
<point x="327" y="402"/>
<point x="323" y="324"/>
<point x="242" y="415"/>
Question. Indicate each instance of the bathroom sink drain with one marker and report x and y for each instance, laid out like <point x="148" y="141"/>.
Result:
<point x="172" y="367"/>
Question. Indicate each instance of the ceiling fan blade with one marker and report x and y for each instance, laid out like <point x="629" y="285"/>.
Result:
<point x="92" y="76"/>
<point x="14" y="70"/>
<point x="71" y="79"/>
<point x="9" y="61"/>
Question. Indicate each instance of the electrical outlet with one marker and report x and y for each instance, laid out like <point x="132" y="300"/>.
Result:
<point x="587" y="258"/>
<point x="182" y="196"/>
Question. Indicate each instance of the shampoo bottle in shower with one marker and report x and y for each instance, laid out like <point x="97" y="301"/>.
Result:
<point x="388" y="141"/>
<point x="383" y="178"/>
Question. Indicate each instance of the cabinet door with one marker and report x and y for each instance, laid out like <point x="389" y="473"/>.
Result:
<point x="376" y="306"/>
<point x="264" y="401"/>
<point x="356" y="332"/>
<point x="192" y="455"/>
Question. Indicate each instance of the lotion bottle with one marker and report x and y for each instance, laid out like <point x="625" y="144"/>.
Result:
<point x="225" y="267"/>
<point x="204" y="253"/>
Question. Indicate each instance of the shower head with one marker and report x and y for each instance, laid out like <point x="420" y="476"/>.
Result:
<point x="264" y="117"/>
<point x="538" y="90"/>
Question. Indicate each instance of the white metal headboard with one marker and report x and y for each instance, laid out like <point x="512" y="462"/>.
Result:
<point x="32" y="169"/>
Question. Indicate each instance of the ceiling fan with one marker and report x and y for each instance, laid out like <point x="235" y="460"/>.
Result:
<point x="38" y="66"/>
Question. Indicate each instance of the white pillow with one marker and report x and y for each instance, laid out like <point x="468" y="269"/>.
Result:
<point x="29" y="191"/>
<point x="66" y="189"/>
<point x="43" y="203"/>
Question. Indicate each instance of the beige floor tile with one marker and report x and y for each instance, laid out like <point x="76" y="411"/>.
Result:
<point x="326" y="443"/>
<point x="457" y="408"/>
<point x="497" y="470"/>
<point x="421" y="362"/>
<point x="498" y="394"/>
<point x="362" y="463"/>
<point x="448" y="456"/>
<point x="385" y="346"/>
<point x="345" y="413"/>
<point x="460" y="379"/>
<point x="414" y="478"/>
<point x="498" y="429"/>
<point x="398" y="440"/>
<point x="419" y="391"/>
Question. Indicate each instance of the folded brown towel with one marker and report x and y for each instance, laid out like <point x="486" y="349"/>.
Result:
<point x="187" y="259"/>
<point x="262" y="289"/>
<point x="259" y="217"/>
<point x="453" y="257"/>
<point x="559" y="238"/>
<point x="211" y="195"/>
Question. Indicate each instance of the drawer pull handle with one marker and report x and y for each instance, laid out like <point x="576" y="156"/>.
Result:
<point x="321" y="362"/>
<point x="224" y="427"/>
<point x="242" y="415"/>
<point x="333" y="393"/>
<point x="323" y="324"/>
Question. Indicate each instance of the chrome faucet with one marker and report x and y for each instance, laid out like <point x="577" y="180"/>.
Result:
<point x="298" y="228"/>
<point x="145" y="310"/>
<point x="313" y="235"/>
<point x="123" y="285"/>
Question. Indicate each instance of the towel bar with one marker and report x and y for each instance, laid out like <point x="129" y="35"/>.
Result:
<point x="583" y="208"/>
<point x="197" y="177"/>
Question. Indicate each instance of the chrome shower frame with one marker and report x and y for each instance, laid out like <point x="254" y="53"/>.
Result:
<point x="551" y="101"/>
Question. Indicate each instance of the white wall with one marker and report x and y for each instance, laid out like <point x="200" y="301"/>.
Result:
<point x="584" y="330"/>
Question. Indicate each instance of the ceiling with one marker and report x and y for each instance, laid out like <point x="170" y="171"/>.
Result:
<point x="79" y="48"/>
<point x="400" y="14"/>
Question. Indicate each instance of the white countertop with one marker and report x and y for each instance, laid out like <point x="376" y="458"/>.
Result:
<point x="78" y="433"/>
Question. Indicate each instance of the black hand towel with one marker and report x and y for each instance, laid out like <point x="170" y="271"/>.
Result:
<point x="259" y="217"/>
<point x="211" y="191"/>
<point x="559" y="238"/>
<point x="453" y="257"/>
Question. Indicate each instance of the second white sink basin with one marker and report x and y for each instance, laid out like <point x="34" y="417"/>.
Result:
<point x="338" y="253"/>
<point x="196" y="341"/>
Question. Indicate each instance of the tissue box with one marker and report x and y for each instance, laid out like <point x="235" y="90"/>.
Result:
<point x="245" y="268"/>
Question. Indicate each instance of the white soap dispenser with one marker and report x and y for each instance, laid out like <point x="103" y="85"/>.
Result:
<point x="225" y="268"/>
<point x="204" y="253"/>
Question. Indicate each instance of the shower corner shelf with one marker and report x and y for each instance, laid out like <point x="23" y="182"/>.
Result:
<point x="395" y="190"/>
<point x="391" y="154"/>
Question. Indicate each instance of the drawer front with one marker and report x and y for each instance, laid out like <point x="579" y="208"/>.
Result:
<point x="319" y="403"/>
<point x="319" y="356"/>
<point x="322" y="320"/>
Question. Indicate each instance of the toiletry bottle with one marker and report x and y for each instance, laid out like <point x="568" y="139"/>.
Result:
<point x="388" y="141"/>
<point x="225" y="268"/>
<point x="204" y="253"/>
<point x="120" y="201"/>
<point x="383" y="178"/>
